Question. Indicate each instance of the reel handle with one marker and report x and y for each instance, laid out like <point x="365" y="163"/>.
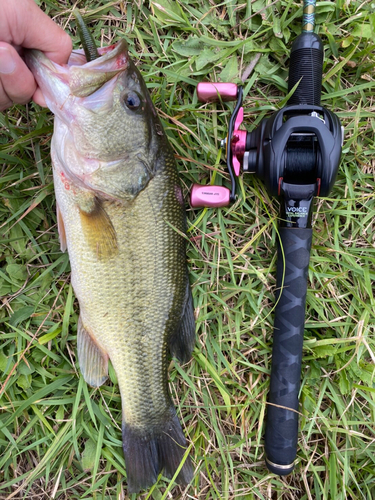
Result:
<point x="219" y="196"/>
<point x="209" y="196"/>
<point x="282" y="418"/>
<point x="214" y="92"/>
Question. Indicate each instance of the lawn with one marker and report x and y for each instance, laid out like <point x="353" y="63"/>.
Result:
<point x="61" y="439"/>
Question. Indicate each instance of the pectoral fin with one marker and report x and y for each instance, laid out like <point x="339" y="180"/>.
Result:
<point x="93" y="360"/>
<point x="61" y="229"/>
<point x="98" y="230"/>
<point x="181" y="344"/>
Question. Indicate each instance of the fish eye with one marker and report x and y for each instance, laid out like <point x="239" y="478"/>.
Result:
<point x="132" y="100"/>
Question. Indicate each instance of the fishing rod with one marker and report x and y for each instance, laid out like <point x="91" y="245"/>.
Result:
<point x="296" y="153"/>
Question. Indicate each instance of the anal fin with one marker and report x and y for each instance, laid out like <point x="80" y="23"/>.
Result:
<point x="93" y="360"/>
<point x="181" y="343"/>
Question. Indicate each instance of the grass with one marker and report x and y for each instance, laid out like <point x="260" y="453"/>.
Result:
<point x="60" y="438"/>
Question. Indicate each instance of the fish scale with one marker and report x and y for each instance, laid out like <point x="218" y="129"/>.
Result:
<point x="121" y="217"/>
<point x="148" y="251"/>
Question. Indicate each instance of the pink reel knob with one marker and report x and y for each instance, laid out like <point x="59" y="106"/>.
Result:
<point x="209" y="196"/>
<point x="211" y="92"/>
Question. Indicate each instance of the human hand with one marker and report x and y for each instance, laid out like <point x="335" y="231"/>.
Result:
<point x="24" y="25"/>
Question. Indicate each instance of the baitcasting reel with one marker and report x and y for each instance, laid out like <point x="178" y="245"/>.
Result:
<point x="296" y="152"/>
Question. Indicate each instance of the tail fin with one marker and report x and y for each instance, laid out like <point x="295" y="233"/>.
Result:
<point x="148" y="454"/>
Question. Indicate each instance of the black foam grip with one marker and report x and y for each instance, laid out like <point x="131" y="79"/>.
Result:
<point x="282" y="423"/>
<point x="306" y="67"/>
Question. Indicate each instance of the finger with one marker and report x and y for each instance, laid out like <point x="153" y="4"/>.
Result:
<point x="5" y="102"/>
<point x="31" y="28"/>
<point x="38" y="97"/>
<point x="18" y="84"/>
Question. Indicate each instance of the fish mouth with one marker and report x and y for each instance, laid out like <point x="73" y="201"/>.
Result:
<point x="78" y="78"/>
<point x="86" y="78"/>
<point x="68" y="88"/>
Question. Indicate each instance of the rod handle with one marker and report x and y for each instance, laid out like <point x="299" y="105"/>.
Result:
<point x="282" y="418"/>
<point x="306" y="69"/>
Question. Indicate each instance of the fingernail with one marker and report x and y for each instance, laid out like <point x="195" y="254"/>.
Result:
<point x="7" y="63"/>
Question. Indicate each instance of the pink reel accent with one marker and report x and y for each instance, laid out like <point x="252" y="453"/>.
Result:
<point x="212" y="92"/>
<point x="209" y="196"/>
<point x="238" y="143"/>
<point x="219" y="196"/>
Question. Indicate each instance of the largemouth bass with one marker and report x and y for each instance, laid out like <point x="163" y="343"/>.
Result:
<point x="121" y="217"/>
